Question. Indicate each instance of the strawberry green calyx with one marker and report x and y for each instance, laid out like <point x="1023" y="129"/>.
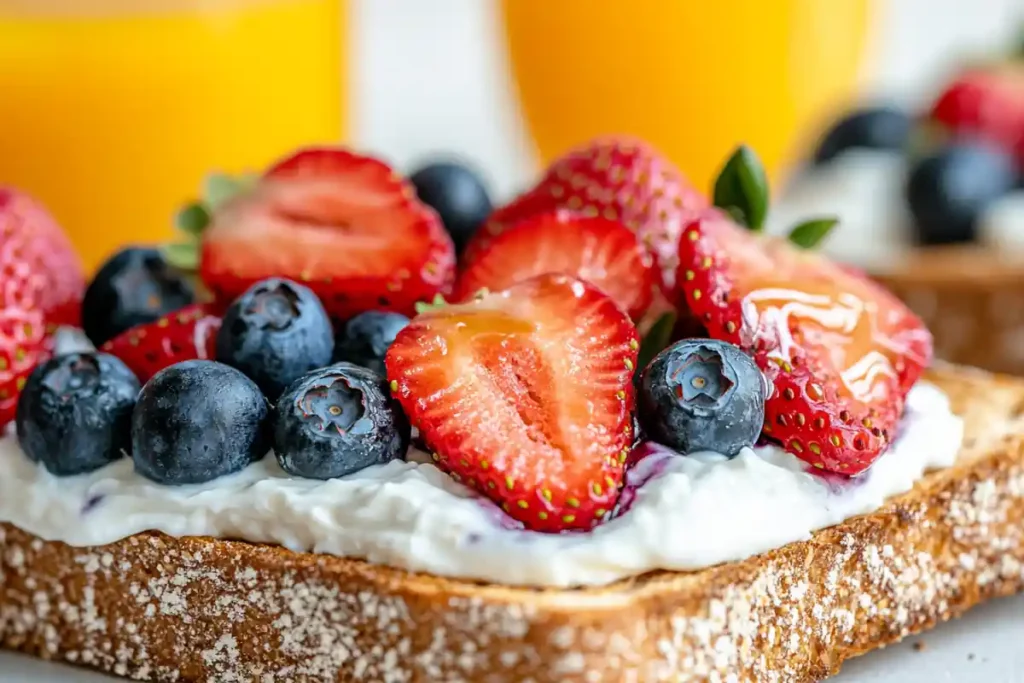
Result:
<point x="436" y="303"/>
<point x="741" y="190"/>
<point x="194" y="218"/>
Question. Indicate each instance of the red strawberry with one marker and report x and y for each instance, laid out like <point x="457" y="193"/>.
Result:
<point x="986" y="103"/>
<point x="525" y="395"/>
<point x="603" y="252"/>
<point x="189" y="333"/>
<point x="619" y="179"/>
<point x="23" y="344"/>
<point x="33" y="247"/>
<point x="841" y="351"/>
<point x="343" y="224"/>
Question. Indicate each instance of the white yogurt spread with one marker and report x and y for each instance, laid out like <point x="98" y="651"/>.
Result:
<point x="864" y="188"/>
<point x="676" y="513"/>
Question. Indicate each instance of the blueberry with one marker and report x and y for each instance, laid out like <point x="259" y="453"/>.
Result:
<point x="365" y="338"/>
<point x="457" y="195"/>
<point x="870" y="128"/>
<point x="74" y="413"/>
<point x="196" y="421"/>
<point x="948" y="191"/>
<point x="136" y="286"/>
<point x="338" y="420"/>
<point x="702" y="394"/>
<point x="274" y="333"/>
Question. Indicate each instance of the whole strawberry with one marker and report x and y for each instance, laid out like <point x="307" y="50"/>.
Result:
<point x="987" y="104"/>
<point x="616" y="178"/>
<point x="840" y="352"/>
<point x="38" y="260"/>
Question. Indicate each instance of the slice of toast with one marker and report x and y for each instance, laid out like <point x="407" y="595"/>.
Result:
<point x="199" y="609"/>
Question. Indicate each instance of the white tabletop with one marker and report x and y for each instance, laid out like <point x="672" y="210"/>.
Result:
<point x="986" y="645"/>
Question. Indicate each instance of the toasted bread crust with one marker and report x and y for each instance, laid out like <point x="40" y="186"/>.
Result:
<point x="158" y="608"/>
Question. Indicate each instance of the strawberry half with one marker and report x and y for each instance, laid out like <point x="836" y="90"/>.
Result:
<point x="189" y="333"/>
<point x="616" y="178"/>
<point x="525" y="395"/>
<point x="841" y="352"/>
<point x="344" y="225"/>
<point x="986" y="103"/>
<point x="603" y="252"/>
<point x="37" y="257"/>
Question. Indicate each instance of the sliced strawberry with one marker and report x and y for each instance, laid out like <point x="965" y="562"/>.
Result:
<point x="33" y="247"/>
<point x="343" y="224"/>
<point x="618" y="179"/>
<point x="187" y="334"/>
<point x="841" y="351"/>
<point x="525" y="395"/>
<point x="986" y="103"/>
<point x="603" y="252"/>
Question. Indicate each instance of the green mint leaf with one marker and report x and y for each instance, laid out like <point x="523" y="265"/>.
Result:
<point x="742" y="188"/>
<point x="192" y="219"/>
<point x="810" y="233"/>
<point x="655" y="341"/>
<point x="182" y="255"/>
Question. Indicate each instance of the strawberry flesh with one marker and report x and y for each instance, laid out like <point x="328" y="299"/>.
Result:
<point x="603" y="252"/>
<point x="344" y="225"/>
<point x="189" y="333"/>
<point x="618" y="179"/>
<point x="526" y="396"/>
<point x="841" y="352"/>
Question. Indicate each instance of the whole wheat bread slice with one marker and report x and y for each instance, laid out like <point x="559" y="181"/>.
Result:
<point x="199" y="609"/>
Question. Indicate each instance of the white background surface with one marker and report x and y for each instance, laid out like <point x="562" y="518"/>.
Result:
<point x="431" y="77"/>
<point x="986" y="646"/>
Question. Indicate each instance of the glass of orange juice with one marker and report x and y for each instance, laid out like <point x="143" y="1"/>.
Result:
<point x="113" y="111"/>
<point x="694" y="77"/>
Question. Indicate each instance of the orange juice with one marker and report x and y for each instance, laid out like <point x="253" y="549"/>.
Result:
<point x="112" y="111"/>
<point x="694" y="77"/>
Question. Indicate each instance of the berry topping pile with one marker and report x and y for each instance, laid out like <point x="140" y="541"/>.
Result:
<point x="317" y="309"/>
